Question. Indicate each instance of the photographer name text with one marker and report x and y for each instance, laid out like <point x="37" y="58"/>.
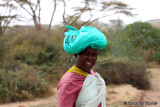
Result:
<point x="140" y="103"/>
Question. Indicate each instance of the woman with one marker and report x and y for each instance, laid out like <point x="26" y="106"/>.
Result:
<point x="80" y="86"/>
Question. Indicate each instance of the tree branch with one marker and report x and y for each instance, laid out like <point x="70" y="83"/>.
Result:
<point x="87" y="20"/>
<point x="39" y="15"/>
<point x="82" y="11"/>
<point x="55" y="5"/>
<point x="21" y="5"/>
<point x="64" y="12"/>
<point x="37" y="5"/>
<point x="97" y="19"/>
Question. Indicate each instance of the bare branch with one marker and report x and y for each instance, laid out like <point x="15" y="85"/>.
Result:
<point x="97" y="19"/>
<point x="64" y="12"/>
<point x="37" y="5"/>
<point x="81" y="12"/>
<point x="7" y="21"/>
<point x="30" y="5"/>
<point x="39" y="15"/>
<point x="84" y="23"/>
<point x="21" y="5"/>
<point x="52" y="14"/>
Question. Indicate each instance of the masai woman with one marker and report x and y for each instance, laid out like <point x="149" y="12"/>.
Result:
<point x="80" y="86"/>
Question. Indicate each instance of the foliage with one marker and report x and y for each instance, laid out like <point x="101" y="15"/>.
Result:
<point x="33" y="49"/>
<point x="2" y="49"/>
<point x="106" y="50"/>
<point x="6" y="15"/>
<point x="143" y="35"/>
<point x="119" y="44"/>
<point x="33" y="60"/>
<point x="137" y="41"/>
<point x="88" y="7"/>
<point x="22" y="84"/>
<point x="33" y="9"/>
<point x="124" y="62"/>
<point x="124" y="73"/>
<point x="47" y="56"/>
<point x="28" y="65"/>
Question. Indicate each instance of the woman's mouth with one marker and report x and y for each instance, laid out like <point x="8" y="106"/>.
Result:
<point x="88" y="63"/>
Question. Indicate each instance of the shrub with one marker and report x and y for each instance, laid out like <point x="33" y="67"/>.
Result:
<point x="120" y="72"/>
<point x="47" y="56"/>
<point x="143" y="35"/>
<point x="2" y="49"/>
<point x="23" y="84"/>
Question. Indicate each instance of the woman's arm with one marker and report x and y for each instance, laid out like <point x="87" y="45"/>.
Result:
<point x="67" y="94"/>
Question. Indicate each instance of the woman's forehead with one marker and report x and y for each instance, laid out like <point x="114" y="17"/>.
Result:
<point x="88" y="49"/>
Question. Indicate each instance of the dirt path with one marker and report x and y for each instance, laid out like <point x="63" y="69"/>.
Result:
<point x="46" y="102"/>
<point x="152" y="97"/>
<point x="116" y="95"/>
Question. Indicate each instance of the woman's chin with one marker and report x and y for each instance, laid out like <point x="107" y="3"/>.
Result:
<point x="88" y="68"/>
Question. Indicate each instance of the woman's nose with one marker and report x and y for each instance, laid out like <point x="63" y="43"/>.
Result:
<point x="90" y="57"/>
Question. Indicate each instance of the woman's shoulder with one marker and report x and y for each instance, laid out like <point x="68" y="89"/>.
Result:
<point x="72" y="78"/>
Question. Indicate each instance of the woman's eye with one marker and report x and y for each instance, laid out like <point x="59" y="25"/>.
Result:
<point x="85" y="54"/>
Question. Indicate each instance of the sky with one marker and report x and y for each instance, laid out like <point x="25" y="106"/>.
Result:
<point x="146" y="10"/>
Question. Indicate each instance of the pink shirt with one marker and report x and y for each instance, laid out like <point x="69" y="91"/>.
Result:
<point x="69" y="87"/>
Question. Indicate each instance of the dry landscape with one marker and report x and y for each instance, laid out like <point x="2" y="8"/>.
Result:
<point x="116" y="95"/>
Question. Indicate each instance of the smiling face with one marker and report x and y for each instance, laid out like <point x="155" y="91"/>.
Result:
<point x="86" y="59"/>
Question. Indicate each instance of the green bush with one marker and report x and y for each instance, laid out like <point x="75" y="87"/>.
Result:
<point x="143" y="35"/>
<point x="29" y="65"/>
<point x="120" y="73"/>
<point x="2" y="49"/>
<point x="48" y="56"/>
<point x="120" y="45"/>
<point x="25" y="83"/>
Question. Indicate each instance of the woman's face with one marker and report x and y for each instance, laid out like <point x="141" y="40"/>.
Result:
<point x="86" y="59"/>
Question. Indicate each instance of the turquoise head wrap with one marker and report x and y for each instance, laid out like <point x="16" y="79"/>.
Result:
<point x="76" y="41"/>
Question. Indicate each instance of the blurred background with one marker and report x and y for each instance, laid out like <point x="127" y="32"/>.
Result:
<point x="32" y="59"/>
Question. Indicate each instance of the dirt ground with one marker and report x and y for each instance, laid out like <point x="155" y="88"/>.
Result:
<point x="152" y="97"/>
<point x="117" y="95"/>
<point x="45" y="102"/>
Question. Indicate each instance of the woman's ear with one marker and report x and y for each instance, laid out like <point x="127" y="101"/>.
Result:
<point x="73" y="59"/>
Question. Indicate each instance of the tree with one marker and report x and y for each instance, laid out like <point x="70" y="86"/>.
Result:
<point x="33" y="9"/>
<point x="143" y="35"/>
<point x="6" y="15"/>
<point x="54" y="10"/>
<point x="96" y="9"/>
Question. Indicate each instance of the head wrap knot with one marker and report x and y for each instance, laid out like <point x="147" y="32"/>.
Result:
<point x="76" y="41"/>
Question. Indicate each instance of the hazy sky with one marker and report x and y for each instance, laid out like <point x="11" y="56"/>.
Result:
<point x="146" y="10"/>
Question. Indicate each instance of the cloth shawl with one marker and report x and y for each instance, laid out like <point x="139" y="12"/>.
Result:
<point x="93" y="92"/>
<point x="70" y="86"/>
<point x="76" y="40"/>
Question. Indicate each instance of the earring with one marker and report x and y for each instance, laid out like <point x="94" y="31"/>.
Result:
<point x="73" y="60"/>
